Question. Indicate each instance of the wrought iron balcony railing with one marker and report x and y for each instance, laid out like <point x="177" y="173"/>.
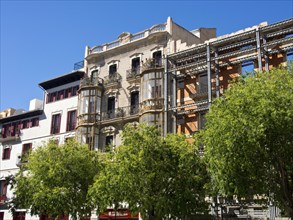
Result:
<point x="114" y="78"/>
<point x="88" y="118"/>
<point x="120" y="112"/>
<point x="132" y="73"/>
<point x="152" y="64"/>
<point x="78" y="65"/>
<point x="152" y="104"/>
<point x="95" y="81"/>
<point x="159" y="28"/>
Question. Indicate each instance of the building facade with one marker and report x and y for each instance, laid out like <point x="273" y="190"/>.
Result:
<point x="164" y="75"/>
<point x="125" y="81"/>
<point x="23" y="131"/>
<point x="202" y="73"/>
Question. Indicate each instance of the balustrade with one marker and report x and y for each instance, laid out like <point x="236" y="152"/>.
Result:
<point x="120" y="112"/>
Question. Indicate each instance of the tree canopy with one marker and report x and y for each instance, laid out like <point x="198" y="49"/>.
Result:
<point x="154" y="175"/>
<point x="248" y="138"/>
<point x="56" y="179"/>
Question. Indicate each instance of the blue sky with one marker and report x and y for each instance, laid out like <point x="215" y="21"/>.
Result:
<point x="43" y="39"/>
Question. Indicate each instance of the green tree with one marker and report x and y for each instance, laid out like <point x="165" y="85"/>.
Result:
<point x="155" y="176"/>
<point x="55" y="180"/>
<point x="248" y="138"/>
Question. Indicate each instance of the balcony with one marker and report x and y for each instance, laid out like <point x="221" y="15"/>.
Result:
<point x="112" y="80"/>
<point x="78" y="65"/>
<point x="10" y="136"/>
<point x="152" y="104"/>
<point x="156" y="29"/>
<point x="91" y="82"/>
<point x="88" y="118"/>
<point x="152" y="64"/>
<point x="122" y="112"/>
<point x="132" y="74"/>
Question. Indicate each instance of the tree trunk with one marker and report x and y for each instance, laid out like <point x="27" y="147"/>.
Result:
<point x="286" y="186"/>
<point x="152" y="215"/>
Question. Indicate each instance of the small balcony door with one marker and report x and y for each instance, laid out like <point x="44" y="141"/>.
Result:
<point x="134" y="102"/>
<point x="112" y="69"/>
<point x="111" y="107"/>
<point x="135" y="65"/>
<point x="157" y="57"/>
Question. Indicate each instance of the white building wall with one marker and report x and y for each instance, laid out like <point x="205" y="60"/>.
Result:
<point x="38" y="136"/>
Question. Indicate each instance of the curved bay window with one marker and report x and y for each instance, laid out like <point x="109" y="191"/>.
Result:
<point x="152" y="119"/>
<point x="89" y="105"/>
<point x="89" y="110"/>
<point x="152" y="102"/>
<point x="87" y="134"/>
<point x="152" y="87"/>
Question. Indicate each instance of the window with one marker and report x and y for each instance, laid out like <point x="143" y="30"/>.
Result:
<point x="202" y="84"/>
<point x="26" y="149"/>
<point x="112" y="69"/>
<point x="152" y="119"/>
<point x="25" y="124"/>
<point x="94" y="75"/>
<point x="247" y="67"/>
<point x="13" y="128"/>
<point x="6" y="130"/>
<point x="180" y="84"/>
<point x="68" y="93"/>
<point x="3" y="190"/>
<point x="111" y="107"/>
<point x="53" y="97"/>
<point x="35" y="122"/>
<point x="109" y="140"/>
<point x="134" y="102"/>
<point x="135" y="65"/>
<point x="71" y="120"/>
<point x="6" y="152"/>
<point x="60" y="95"/>
<point x="152" y="85"/>
<point x="19" y="216"/>
<point x="157" y="57"/>
<point x="1" y="215"/>
<point x="74" y="90"/>
<point x="55" y="124"/>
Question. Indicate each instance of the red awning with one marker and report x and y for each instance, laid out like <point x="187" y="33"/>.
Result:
<point x="120" y="214"/>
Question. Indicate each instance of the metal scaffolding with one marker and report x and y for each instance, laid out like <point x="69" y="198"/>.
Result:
<point x="256" y="44"/>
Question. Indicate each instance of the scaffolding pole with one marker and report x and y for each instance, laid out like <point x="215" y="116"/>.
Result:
<point x="166" y="96"/>
<point x="209" y="74"/>
<point x="174" y="102"/>
<point x="266" y="54"/>
<point x="258" y="49"/>
<point x="217" y="74"/>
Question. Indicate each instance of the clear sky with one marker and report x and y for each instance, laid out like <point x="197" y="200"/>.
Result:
<point x="43" y="39"/>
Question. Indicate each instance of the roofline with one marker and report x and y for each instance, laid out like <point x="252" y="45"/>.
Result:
<point x="21" y="116"/>
<point x="234" y="35"/>
<point x="71" y="77"/>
